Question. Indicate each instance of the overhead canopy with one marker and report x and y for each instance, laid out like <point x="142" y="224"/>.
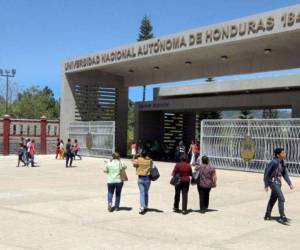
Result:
<point x="264" y="42"/>
<point x="263" y="84"/>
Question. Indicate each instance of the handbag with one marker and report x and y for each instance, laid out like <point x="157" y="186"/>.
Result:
<point x="154" y="174"/>
<point x="195" y="177"/>
<point x="123" y="174"/>
<point x="175" y="180"/>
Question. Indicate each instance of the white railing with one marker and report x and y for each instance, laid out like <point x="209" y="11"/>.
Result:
<point x="221" y="142"/>
<point x="100" y="133"/>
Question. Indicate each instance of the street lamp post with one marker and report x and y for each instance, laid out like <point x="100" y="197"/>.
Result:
<point x="7" y="73"/>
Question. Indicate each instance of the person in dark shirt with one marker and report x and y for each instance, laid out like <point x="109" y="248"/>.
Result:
<point x="21" y="154"/>
<point x="272" y="178"/>
<point x="69" y="153"/>
<point x="184" y="170"/>
<point x="180" y="150"/>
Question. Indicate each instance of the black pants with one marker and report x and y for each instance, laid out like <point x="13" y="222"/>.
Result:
<point x="69" y="157"/>
<point x="203" y="197"/>
<point x="276" y="194"/>
<point x="76" y="154"/>
<point x="20" y="159"/>
<point x="183" y="188"/>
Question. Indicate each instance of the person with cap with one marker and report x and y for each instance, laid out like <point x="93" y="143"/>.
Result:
<point x="272" y="179"/>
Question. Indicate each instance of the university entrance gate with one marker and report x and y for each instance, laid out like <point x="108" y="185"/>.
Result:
<point x="95" y="138"/>
<point x="248" y="144"/>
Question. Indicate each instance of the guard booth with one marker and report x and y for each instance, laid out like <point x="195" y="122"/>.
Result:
<point x="248" y="144"/>
<point x="95" y="138"/>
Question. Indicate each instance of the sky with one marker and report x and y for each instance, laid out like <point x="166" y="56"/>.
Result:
<point x="37" y="35"/>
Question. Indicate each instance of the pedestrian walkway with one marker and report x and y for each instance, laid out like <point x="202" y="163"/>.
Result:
<point x="53" y="207"/>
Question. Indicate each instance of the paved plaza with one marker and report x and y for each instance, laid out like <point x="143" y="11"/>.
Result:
<point x="51" y="207"/>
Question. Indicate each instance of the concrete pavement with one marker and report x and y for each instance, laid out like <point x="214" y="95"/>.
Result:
<point x="51" y="207"/>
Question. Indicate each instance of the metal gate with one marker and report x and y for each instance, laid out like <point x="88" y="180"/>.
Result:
<point x="222" y="142"/>
<point x="95" y="138"/>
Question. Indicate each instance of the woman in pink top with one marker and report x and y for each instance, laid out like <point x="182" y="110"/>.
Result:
<point x="76" y="148"/>
<point x="195" y="152"/>
<point x="133" y="150"/>
<point x="31" y="152"/>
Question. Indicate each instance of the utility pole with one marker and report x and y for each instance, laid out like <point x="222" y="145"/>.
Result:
<point x="7" y="73"/>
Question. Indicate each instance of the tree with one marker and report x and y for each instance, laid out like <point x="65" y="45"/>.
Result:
<point x="34" y="102"/>
<point x="145" y="29"/>
<point x="2" y="106"/>
<point x="130" y="133"/>
<point x="145" y="34"/>
<point x="245" y="114"/>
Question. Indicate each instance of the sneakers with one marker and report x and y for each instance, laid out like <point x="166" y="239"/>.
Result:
<point x="109" y="208"/>
<point x="283" y="220"/>
<point x="176" y="210"/>
<point x="142" y="211"/>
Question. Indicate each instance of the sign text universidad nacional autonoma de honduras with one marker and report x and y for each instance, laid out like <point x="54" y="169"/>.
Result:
<point x="188" y="40"/>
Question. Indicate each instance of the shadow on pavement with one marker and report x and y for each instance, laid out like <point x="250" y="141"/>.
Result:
<point x="154" y="210"/>
<point x="277" y="219"/>
<point x="125" y="208"/>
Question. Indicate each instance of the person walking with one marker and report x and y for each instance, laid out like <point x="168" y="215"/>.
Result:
<point x="28" y="143"/>
<point x="140" y="147"/>
<point x="180" y="150"/>
<point x="76" y="149"/>
<point x="31" y="153"/>
<point x="21" y="154"/>
<point x="143" y="165"/>
<point x="61" y="150"/>
<point x="272" y="178"/>
<point x="69" y="155"/>
<point x="206" y="180"/>
<point x="57" y="150"/>
<point x="25" y="151"/>
<point x="114" y="181"/>
<point x="194" y="151"/>
<point x="133" y="149"/>
<point x="184" y="170"/>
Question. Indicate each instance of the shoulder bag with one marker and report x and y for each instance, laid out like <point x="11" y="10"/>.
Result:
<point x="154" y="174"/>
<point x="175" y="180"/>
<point x="123" y="174"/>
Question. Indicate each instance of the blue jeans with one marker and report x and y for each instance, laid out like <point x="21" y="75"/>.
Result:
<point x="111" y="187"/>
<point x="144" y="185"/>
<point x="276" y="194"/>
<point x="30" y="159"/>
